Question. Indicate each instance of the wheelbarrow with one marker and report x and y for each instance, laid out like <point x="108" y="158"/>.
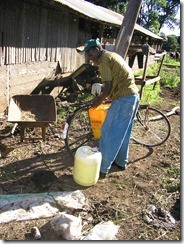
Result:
<point x="32" y="111"/>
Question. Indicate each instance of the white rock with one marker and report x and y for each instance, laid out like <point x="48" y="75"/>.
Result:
<point x="36" y="233"/>
<point x="103" y="231"/>
<point x="67" y="226"/>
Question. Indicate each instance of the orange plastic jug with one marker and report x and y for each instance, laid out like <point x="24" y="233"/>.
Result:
<point x="97" y="116"/>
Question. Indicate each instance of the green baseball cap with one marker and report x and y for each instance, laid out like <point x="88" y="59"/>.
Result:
<point x="89" y="44"/>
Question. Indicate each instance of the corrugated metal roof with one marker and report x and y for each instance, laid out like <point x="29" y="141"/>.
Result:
<point x="101" y="14"/>
<point x="90" y="10"/>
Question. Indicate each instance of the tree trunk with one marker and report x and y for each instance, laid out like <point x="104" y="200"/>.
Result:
<point x="127" y="27"/>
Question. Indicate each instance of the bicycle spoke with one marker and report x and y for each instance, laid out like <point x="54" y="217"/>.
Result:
<point x="151" y="127"/>
<point x="79" y="131"/>
<point x="159" y="138"/>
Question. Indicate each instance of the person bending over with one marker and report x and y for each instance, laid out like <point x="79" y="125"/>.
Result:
<point x="119" y="85"/>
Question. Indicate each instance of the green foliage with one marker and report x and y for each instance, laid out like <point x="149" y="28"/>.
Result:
<point x="151" y="95"/>
<point x="120" y="186"/>
<point x="168" y="78"/>
<point x="143" y="234"/>
<point x="118" y="6"/>
<point x="171" y="62"/>
<point x="170" y="73"/>
<point x="155" y="13"/>
<point x="62" y="113"/>
<point x="171" y="44"/>
<point x="172" y="182"/>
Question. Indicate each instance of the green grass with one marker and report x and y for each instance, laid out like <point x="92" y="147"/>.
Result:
<point x="168" y="78"/>
<point x="171" y="62"/>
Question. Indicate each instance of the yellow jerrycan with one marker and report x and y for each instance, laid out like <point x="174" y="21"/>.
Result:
<point x="97" y="116"/>
<point x="87" y="164"/>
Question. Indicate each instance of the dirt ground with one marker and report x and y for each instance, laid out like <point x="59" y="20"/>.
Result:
<point x="152" y="178"/>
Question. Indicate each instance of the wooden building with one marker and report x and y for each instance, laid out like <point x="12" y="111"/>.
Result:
<point x="37" y="35"/>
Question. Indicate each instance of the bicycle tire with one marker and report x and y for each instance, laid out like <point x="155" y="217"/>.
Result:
<point x="79" y="131"/>
<point x="151" y="127"/>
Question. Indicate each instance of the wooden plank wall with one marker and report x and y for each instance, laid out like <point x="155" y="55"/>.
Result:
<point x="33" y="31"/>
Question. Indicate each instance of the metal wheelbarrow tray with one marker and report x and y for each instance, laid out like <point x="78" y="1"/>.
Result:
<point x="32" y="111"/>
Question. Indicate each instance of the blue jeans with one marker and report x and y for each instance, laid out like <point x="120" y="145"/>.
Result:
<point x="116" y="131"/>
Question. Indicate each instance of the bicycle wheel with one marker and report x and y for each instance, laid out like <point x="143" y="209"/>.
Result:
<point x="79" y="131"/>
<point x="151" y="127"/>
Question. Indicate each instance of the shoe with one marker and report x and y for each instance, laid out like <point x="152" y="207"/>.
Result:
<point x="122" y="167"/>
<point x="103" y="175"/>
<point x="119" y="167"/>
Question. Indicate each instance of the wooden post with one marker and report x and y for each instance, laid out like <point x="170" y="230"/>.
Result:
<point x="127" y="28"/>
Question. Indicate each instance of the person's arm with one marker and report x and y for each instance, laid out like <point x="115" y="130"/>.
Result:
<point x="107" y="86"/>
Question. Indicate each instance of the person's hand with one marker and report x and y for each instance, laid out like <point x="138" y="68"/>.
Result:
<point x="96" y="89"/>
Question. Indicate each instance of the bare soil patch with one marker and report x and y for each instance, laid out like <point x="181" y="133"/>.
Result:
<point x="152" y="178"/>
